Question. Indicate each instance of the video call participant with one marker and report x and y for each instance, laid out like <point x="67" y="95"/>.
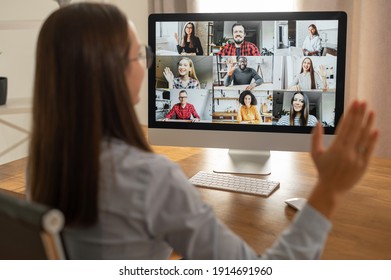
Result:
<point x="248" y="112"/>
<point x="311" y="44"/>
<point x="187" y="77"/>
<point x="239" y="47"/>
<point x="183" y="110"/>
<point x="122" y="201"/>
<point x="242" y="75"/>
<point x="190" y="43"/>
<point x="308" y="78"/>
<point x="299" y="112"/>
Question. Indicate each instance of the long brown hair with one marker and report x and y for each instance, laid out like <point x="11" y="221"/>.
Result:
<point x="304" y="111"/>
<point x="192" y="35"/>
<point x="312" y="75"/>
<point x="314" y="27"/>
<point x="80" y="98"/>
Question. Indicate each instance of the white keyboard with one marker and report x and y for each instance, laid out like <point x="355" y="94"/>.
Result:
<point x="234" y="183"/>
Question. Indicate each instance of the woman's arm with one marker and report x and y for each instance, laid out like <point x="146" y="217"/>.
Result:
<point x="169" y="77"/>
<point x="317" y="46"/>
<point x="179" y="49"/>
<point x="258" y="118"/>
<point x="342" y="165"/>
<point x="294" y="85"/>
<point x="322" y="80"/>
<point x="239" y="116"/>
<point x="178" y="46"/>
<point x="199" y="50"/>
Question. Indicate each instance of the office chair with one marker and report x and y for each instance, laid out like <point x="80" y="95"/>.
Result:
<point x="29" y="230"/>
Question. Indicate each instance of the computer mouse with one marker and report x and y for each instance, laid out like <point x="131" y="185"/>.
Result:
<point x="296" y="203"/>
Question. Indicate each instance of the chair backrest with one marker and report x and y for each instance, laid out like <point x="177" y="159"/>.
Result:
<point x="29" y="230"/>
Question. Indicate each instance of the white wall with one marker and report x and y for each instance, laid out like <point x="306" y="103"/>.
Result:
<point x="137" y="11"/>
<point x="20" y="21"/>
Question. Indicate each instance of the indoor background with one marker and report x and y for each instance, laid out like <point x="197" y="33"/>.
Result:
<point x="367" y="69"/>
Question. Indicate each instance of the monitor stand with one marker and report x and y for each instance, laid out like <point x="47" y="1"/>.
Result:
<point x="247" y="162"/>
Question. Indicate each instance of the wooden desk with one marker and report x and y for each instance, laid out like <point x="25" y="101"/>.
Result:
<point x="361" y="226"/>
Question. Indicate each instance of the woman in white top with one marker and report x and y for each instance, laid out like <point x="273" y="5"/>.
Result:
<point x="90" y="159"/>
<point x="299" y="112"/>
<point x="309" y="79"/>
<point x="311" y="44"/>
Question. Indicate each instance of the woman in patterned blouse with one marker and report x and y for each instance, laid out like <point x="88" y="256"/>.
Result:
<point x="186" y="79"/>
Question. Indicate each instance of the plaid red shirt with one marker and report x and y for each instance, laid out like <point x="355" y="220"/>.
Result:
<point x="183" y="113"/>
<point x="246" y="49"/>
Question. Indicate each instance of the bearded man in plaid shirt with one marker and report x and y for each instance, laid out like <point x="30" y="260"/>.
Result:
<point x="239" y="47"/>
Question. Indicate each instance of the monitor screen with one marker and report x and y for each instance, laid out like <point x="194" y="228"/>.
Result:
<point x="249" y="81"/>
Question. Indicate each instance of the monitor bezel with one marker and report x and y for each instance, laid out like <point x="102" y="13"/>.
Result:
<point x="270" y="16"/>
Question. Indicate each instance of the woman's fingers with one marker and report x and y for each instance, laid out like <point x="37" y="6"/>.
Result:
<point x="168" y="74"/>
<point x="355" y="131"/>
<point x="368" y="137"/>
<point x="350" y="127"/>
<point x="365" y="132"/>
<point x="317" y="141"/>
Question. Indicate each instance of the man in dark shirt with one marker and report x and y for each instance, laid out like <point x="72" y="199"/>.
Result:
<point x="239" y="47"/>
<point x="183" y="110"/>
<point x="242" y="75"/>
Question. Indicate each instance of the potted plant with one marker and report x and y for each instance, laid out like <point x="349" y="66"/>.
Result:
<point x="222" y="41"/>
<point x="3" y="90"/>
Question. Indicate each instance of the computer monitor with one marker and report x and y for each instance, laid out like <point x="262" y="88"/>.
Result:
<point x="249" y="82"/>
